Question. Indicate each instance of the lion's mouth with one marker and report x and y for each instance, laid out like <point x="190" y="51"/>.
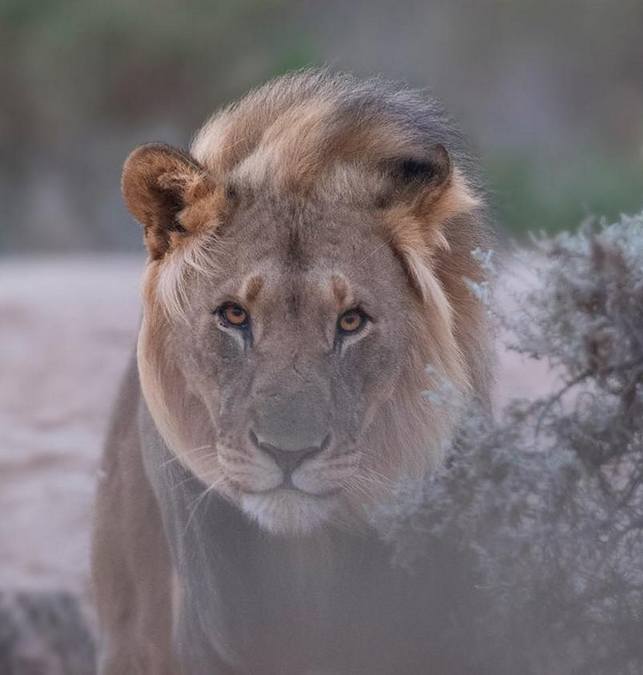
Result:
<point x="287" y="487"/>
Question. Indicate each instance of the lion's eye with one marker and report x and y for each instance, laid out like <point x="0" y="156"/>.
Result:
<point x="350" y="321"/>
<point x="234" y="315"/>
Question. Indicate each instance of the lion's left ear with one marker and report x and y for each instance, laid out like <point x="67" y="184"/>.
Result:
<point x="159" y="182"/>
<point x="430" y="187"/>
<point x="426" y="193"/>
<point x="415" y="178"/>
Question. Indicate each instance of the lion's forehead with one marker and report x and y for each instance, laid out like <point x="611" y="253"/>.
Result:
<point x="332" y="277"/>
<point x="273" y="245"/>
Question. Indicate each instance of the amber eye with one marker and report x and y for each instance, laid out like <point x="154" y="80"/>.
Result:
<point x="234" y="315"/>
<point x="351" y="321"/>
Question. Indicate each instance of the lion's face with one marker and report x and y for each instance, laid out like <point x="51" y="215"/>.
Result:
<point x="292" y="344"/>
<point x="307" y="285"/>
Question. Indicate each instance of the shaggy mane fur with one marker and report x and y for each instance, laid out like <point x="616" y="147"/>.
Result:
<point x="314" y="129"/>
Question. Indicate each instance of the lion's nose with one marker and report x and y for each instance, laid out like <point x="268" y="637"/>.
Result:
<point x="288" y="460"/>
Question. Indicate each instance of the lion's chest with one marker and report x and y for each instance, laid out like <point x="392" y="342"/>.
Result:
<point x="270" y="604"/>
<point x="270" y="600"/>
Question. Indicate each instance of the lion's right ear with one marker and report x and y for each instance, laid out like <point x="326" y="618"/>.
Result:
<point x="159" y="183"/>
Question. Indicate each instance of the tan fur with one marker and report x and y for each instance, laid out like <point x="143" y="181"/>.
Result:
<point x="252" y="289"/>
<point x="297" y="146"/>
<point x="283" y="141"/>
<point x="130" y="561"/>
<point x="341" y="292"/>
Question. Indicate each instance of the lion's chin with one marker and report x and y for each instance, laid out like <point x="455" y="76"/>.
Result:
<point x="288" y="511"/>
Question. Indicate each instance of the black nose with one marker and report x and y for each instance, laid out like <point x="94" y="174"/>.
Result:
<point x="288" y="460"/>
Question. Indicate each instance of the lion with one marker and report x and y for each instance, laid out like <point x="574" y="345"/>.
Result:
<point x="306" y="295"/>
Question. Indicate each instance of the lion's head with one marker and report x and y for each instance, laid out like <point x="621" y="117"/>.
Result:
<point x="306" y="288"/>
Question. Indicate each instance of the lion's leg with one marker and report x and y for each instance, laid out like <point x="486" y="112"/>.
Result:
<point x="132" y="572"/>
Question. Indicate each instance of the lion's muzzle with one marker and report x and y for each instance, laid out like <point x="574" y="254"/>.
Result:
<point x="288" y="459"/>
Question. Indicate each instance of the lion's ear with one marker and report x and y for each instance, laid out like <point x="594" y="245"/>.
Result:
<point x="159" y="182"/>
<point x="414" y="180"/>
<point x="426" y="193"/>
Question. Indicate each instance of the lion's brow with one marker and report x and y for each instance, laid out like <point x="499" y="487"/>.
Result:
<point x="340" y="290"/>
<point x="252" y="288"/>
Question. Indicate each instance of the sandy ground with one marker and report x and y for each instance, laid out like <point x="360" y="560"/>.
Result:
<point x="66" y="329"/>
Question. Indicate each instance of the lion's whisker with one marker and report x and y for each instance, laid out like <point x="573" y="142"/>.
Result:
<point x="199" y="499"/>
<point x="184" y="453"/>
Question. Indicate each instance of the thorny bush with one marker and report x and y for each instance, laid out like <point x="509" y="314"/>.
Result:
<point x="543" y="508"/>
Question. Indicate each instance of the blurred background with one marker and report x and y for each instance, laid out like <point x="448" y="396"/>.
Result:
<point x="551" y="94"/>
